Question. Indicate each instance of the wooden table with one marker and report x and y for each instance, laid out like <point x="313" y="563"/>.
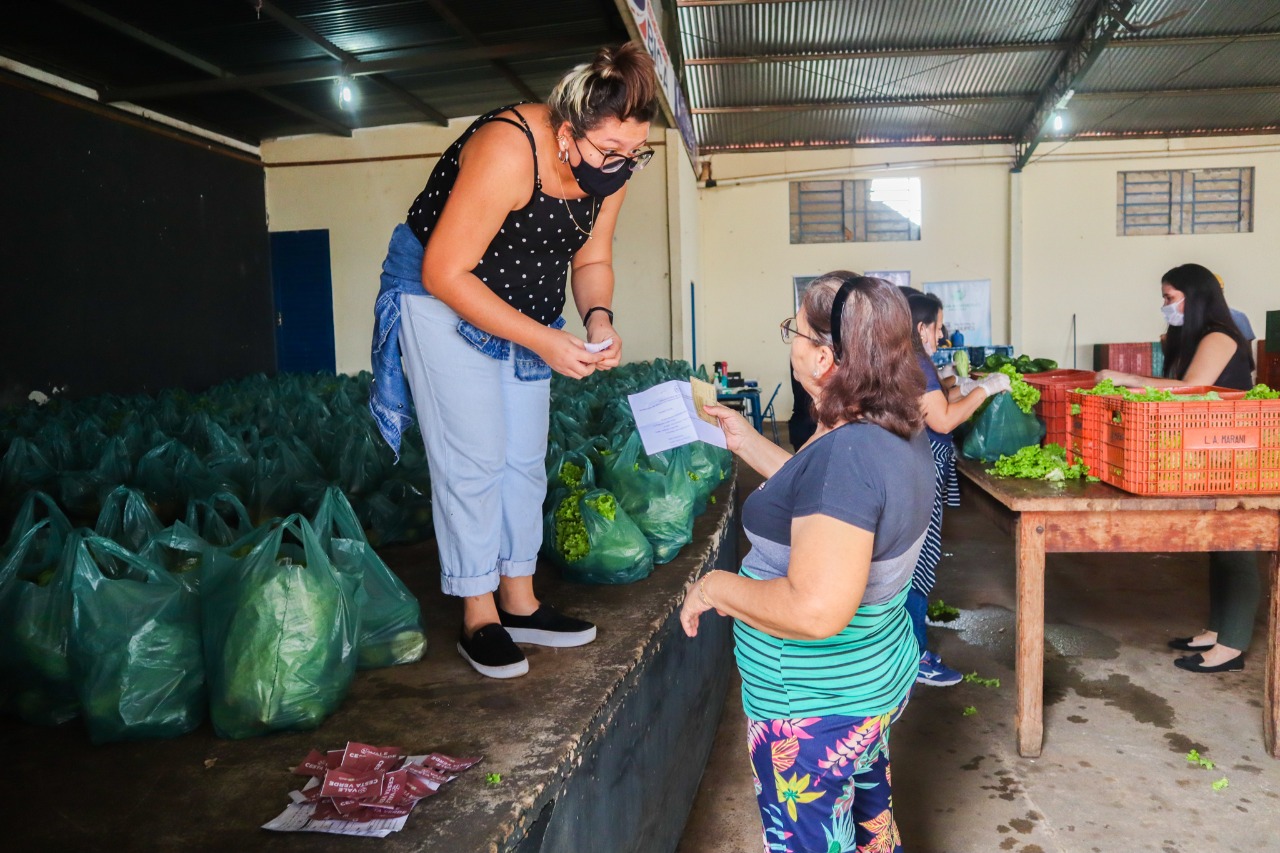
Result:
<point x="1094" y="517"/>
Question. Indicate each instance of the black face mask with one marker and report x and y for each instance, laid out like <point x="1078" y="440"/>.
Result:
<point x="598" y="182"/>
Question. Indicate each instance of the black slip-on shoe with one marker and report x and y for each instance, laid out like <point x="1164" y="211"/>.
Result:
<point x="546" y="627"/>
<point x="1183" y="644"/>
<point x="1195" y="663"/>
<point x="491" y="652"/>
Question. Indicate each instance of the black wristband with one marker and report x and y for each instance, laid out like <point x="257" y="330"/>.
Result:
<point x="587" y="316"/>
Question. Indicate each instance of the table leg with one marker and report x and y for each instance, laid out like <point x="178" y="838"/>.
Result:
<point x="1271" y="711"/>
<point x="1029" y="664"/>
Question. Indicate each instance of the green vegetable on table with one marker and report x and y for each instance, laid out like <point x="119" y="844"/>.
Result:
<point x="1026" y="396"/>
<point x="961" y="363"/>
<point x="1041" y="463"/>
<point x="1261" y="392"/>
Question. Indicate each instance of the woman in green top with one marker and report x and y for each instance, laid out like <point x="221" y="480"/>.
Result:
<point x="822" y="636"/>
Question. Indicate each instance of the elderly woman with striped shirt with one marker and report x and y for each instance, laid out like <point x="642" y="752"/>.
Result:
<point x="822" y="637"/>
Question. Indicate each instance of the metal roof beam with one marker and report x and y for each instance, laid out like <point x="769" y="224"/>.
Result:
<point x="332" y="70"/>
<point x="447" y="15"/>
<point x="890" y="53"/>
<point x="1220" y="91"/>
<point x="1184" y="41"/>
<point x="1106" y="18"/>
<point x="181" y="55"/>
<point x="1009" y="47"/>
<point x="968" y="101"/>
<point x="297" y="27"/>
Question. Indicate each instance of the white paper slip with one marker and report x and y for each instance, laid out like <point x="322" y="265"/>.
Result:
<point x="666" y="418"/>
<point x="297" y="818"/>
<point x="603" y="345"/>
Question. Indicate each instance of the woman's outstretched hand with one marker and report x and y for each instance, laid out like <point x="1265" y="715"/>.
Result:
<point x="734" y="426"/>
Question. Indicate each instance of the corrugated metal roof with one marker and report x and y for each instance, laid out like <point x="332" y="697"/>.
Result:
<point x="819" y="26"/>
<point x="757" y="73"/>
<point x="774" y="74"/>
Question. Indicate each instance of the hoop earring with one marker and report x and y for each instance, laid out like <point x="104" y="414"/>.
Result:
<point x="562" y="154"/>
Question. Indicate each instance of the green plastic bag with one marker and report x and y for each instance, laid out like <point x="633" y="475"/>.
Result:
<point x="135" y="645"/>
<point x="280" y="626"/>
<point x="127" y="518"/>
<point x="617" y="550"/>
<point x="655" y="491"/>
<point x="180" y="551"/>
<point x="1001" y="429"/>
<point x="390" y="619"/>
<point x="219" y="520"/>
<point x="35" y="622"/>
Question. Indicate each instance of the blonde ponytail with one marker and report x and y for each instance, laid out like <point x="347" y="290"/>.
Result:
<point x="618" y="83"/>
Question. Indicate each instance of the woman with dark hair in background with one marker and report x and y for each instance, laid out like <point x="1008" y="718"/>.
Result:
<point x="1204" y="347"/>
<point x="944" y="410"/>
<point x="822" y="637"/>
<point x="469" y="312"/>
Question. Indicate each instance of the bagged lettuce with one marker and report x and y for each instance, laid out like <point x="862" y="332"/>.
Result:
<point x="134" y="645"/>
<point x="281" y="622"/>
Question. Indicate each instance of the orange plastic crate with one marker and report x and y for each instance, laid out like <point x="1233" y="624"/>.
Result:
<point x="1126" y="358"/>
<point x="1052" y="408"/>
<point x="1203" y="447"/>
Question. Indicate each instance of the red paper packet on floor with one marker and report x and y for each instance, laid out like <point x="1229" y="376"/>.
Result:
<point x="341" y="784"/>
<point x="360" y="757"/>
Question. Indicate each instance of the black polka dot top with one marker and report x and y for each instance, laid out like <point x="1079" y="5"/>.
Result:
<point x="527" y="261"/>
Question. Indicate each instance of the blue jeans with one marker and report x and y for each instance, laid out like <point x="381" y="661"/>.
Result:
<point x="486" y="439"/>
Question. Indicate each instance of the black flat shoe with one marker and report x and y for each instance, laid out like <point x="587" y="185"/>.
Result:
<point x="1183" y="644"/>
<point x="1195" y="663"/>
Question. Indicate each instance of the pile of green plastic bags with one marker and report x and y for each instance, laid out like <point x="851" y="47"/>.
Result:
<point x="275" y="444"/>
<point x="613" y="511"/>
<point x="144" y="630"/>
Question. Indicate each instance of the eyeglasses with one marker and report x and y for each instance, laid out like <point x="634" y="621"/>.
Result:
<point x="789" y="330"/>
<point x="613" y="161"/>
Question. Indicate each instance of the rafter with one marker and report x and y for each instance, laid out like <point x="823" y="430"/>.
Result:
<point x="964" y="50"/>
<point x="446" y="14"/>
<point x="1106" y="18"/>
<point x="394" y="89"/>
<point x="194" y="61"/>
<point x="364" y="68"/>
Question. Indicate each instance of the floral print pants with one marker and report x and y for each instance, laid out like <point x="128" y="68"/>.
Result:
<point x="823" y="784"/>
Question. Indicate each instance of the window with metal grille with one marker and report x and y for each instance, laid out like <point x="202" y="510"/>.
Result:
<point x="1184" y="201"/>
<point x="866" y="211"/>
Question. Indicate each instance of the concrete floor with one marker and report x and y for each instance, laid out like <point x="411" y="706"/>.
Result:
<point x="1119" y="721"/>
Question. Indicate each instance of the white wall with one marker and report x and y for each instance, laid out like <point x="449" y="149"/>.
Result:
<point x="748" y="259"/>
<point x="359" y="202"/>
<point x="1075" y="262"/>
<point x="1046" y="240"/>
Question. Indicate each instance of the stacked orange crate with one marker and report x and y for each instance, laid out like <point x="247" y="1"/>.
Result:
<point x="1126" y="358"/>
<point x="1227" y="446"/>
<point x="1268" y="365"/>
<point x="1052" y="408"/>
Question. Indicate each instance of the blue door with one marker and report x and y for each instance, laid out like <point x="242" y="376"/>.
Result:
<point x="303" y="285"/>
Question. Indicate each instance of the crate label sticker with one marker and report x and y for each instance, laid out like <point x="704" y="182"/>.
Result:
<point x="1243" y="438"/>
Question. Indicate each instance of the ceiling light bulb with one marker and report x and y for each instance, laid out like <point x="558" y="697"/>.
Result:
<point x="1057" y="121"/>
<point x="346" y="96"/>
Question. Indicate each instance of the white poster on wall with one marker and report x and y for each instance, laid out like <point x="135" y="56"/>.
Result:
<point x="900" y="278"/>
<point x="966" y="307"/>
<point x="800" y="283"/>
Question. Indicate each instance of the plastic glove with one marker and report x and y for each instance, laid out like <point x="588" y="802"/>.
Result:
<point x="995" y="383"/>
<point x="946" y="370"/>
<point x="966" y="385"/>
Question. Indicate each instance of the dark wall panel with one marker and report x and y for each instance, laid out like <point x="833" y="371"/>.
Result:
<point x="129" y="260"/>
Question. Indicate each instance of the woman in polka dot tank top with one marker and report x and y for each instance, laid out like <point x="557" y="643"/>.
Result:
<point x="468" y="316"/>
